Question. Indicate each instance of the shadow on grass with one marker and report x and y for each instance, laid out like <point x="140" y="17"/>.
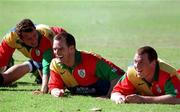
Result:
<point x="20" y="83"/>
<point x="26" y="84"/>
<point x="13" y="87"/>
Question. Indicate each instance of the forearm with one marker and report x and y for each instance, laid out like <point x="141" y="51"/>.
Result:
<point x="165" y="99"/>
<point x="45" y="79"/>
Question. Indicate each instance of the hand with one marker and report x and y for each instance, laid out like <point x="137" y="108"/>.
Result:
<point x="37" y="92"/>
<point x="117" y="98"/>
<point x="57" y="92"/>
<point x="44" y="89"/>
<point x="134" y="98"/>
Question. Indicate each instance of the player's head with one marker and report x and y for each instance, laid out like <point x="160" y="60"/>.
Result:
<point x="26" y="30"/>
<point x="145" y="60"/>
<point x="67" y="37"/>
<point x="151" y="52"/>
<point x="64" y="47"/>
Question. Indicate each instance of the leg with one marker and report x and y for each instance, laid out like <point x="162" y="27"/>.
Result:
<point x="36" y="71"/>
<point x="15" y="72"/>
<point x="3" y="69"/>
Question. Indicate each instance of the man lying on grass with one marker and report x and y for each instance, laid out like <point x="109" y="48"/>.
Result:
<point x="80" y="72"/>
<point x="149" y="81"/>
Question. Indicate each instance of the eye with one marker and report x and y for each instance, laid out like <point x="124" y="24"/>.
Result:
<point x="135" y="61"/>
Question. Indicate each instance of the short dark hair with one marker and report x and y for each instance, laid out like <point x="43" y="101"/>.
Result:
<point x="151" y="52"/>
<point x="70" y="40"/>
<point x="26" y="25"/>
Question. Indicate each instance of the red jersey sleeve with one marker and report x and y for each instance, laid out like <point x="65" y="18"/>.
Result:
<point x="55" y="81"/>
<point x="6" y="53"/>
<point x="124" y="86"/>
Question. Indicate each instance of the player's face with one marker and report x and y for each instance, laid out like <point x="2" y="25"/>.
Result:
<point x="142" y="65"/>
<point x="62" y="51"/>
<point x="30" y="38"/>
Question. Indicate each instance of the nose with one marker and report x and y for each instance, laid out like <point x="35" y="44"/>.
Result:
<point x="55" y="51"/>
<point x="136" y="65"/>
<point x="34" y="38"/>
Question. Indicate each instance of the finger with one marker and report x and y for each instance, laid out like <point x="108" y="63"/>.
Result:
<point x="119" y="101"/>
<point x="37" y="92"/>
<point x="56" y="94"/>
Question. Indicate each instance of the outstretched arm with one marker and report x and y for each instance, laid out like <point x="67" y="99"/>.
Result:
<point x="47" y="57"/>
<point x="44" y="86"/>
<point x="165" y="99"/>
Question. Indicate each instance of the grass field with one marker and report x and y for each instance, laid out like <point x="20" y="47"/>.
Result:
<point x="114" y="29"/>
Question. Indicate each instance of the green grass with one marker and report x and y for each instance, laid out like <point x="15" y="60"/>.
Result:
<point x="114" y="29"/>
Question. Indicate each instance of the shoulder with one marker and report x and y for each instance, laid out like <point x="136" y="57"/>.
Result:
<point x="167" y="67"/>
<point x="55" y="61"/>
<point x="12" y="39"/>
<point x="90" y="55"/>
<point x="11" y="35"/>
<point x="45" y="30"/>
<point x="55" y="64"/>
<point x="132" y="74"/>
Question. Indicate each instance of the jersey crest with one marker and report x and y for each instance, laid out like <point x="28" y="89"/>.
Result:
<point x="82" y="73"/>
<point x="37" y="51"/>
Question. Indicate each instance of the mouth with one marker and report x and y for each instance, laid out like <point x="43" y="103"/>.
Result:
<point x="139" y="71"/>
<point x="60" y="57"/>
<point x="34" y="44"/>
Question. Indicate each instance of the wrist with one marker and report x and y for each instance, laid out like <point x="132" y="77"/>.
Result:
<point x="115" y="96"/>
<point x="44" y="88"/>
<point x="56" y="92"/>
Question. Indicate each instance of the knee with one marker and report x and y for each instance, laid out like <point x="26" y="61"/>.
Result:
<point x="33" y="65"/>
